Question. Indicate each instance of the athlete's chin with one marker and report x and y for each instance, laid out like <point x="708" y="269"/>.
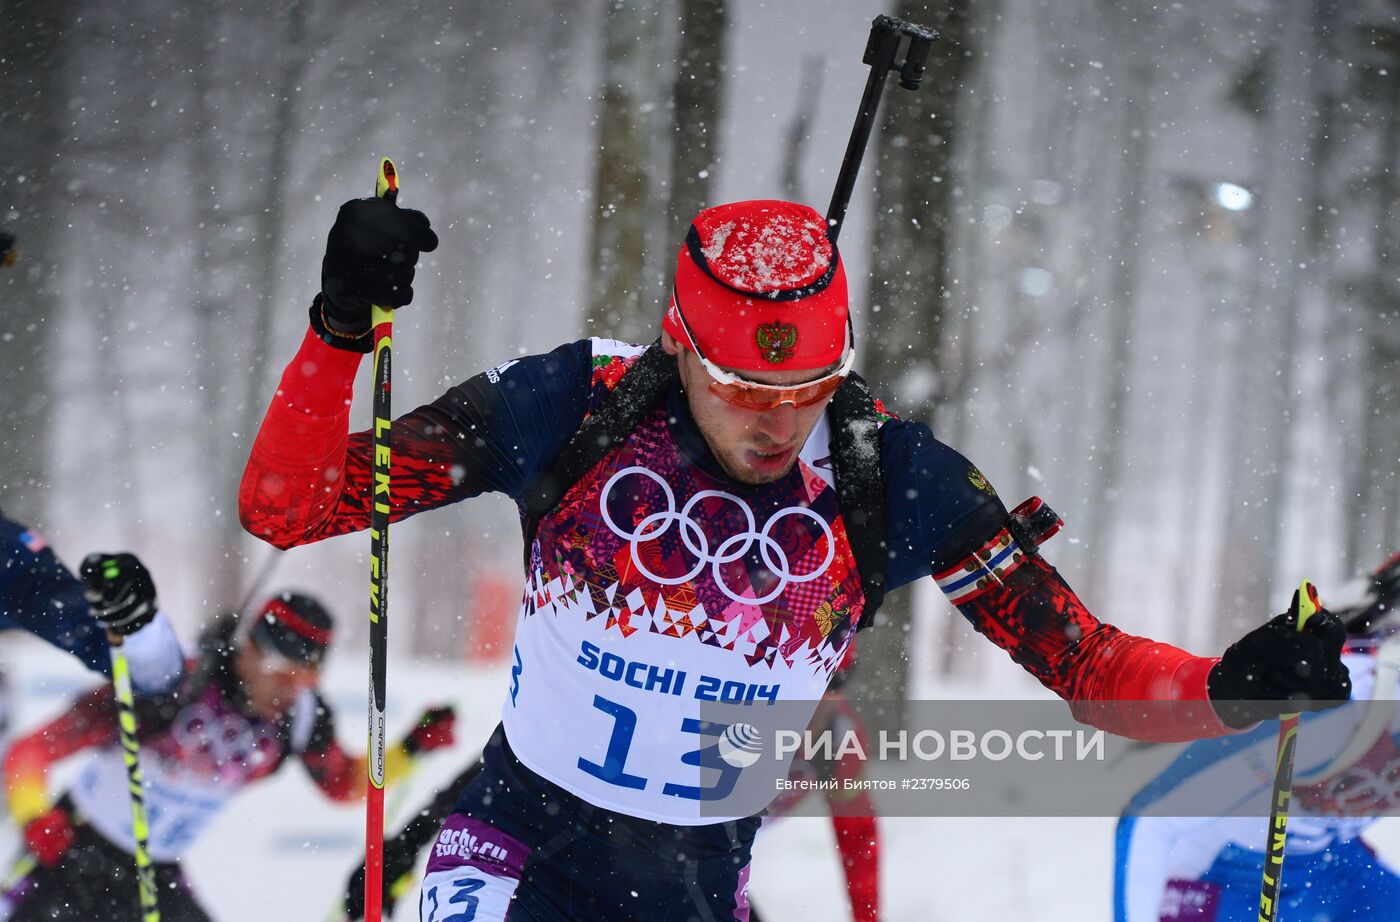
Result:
<point x="271" y="709"/>
<point x="756" y="468"/>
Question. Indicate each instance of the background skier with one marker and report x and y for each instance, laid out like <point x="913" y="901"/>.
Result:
<point x="1207" y="869"/>
<point x="39" y="595"/>
<point x="248" y="705"/>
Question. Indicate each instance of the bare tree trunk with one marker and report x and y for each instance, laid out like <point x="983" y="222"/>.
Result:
<point x="456" y="604"/>
<point x="622" y="182"/>
<point x="1373" y="528"/>
<point x="213" y="316"/>
<point x="33" y="109"/>
<point x="799" y="130"/>
<point x="957" y="643"/>
<point x="1331" y="20"/>
<point x="698" y="100"/>
<point x="269" y="221"/>
<point x="1130" y="188"/>
<point x="910" y="249"/>
<point x="1264" y="369"/>
<point x="1086" y="160"/>
<point x="976" y="117"/>
<point x="913" y="217"/>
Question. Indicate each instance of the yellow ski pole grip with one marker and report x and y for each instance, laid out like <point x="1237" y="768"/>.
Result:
<point x="1308" y="604"/>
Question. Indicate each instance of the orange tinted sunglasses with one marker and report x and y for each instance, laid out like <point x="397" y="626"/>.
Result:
<point x="754" y="395"/>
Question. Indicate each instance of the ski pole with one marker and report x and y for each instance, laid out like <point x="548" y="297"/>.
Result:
<point x="274" y="556"/>
<point x="382" y="320"/>
<point x="392" y="812"/>
<point x="131" y="754"/>
<point x="1308" y="606"/>
<point x="881" y="52"/>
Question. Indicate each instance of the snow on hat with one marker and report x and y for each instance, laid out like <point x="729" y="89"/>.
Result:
<point x="761" y="288"/>
<point x="295" y="626"/>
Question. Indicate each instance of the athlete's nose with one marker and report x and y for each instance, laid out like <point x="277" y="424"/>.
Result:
<point x="778" y="425"/>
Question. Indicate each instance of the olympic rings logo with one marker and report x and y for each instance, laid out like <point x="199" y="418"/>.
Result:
<point x="697" y="542"/>
<point x="1362" y="789"/>
<point x="228" y="741"/>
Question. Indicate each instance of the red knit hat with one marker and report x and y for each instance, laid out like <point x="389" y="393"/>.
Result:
<point x="761" y="288"/>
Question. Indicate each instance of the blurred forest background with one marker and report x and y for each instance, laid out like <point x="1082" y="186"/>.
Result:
<point x="1137" y="258"/>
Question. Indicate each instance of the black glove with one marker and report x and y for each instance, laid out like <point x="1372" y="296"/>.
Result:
<point x="370" y="257"/>
<point x="120" y="591"/>
<point x="1277" y="669"/>
<point x="400" y="855"/>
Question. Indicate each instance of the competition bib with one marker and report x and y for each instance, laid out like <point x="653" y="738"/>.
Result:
<point x="190" y="772"/>
<point x="656" y="588"/>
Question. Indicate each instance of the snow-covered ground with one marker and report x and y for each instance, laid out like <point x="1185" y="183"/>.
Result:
<point x="284" y="851"/>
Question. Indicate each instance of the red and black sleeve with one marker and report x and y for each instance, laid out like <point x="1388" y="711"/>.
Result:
<point x="307" y="478"/>
<point x="92" y="721"/>
<point x="1035" y="616"/>
<point x="338" y="774"/>
<point x="948" y="518"/>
